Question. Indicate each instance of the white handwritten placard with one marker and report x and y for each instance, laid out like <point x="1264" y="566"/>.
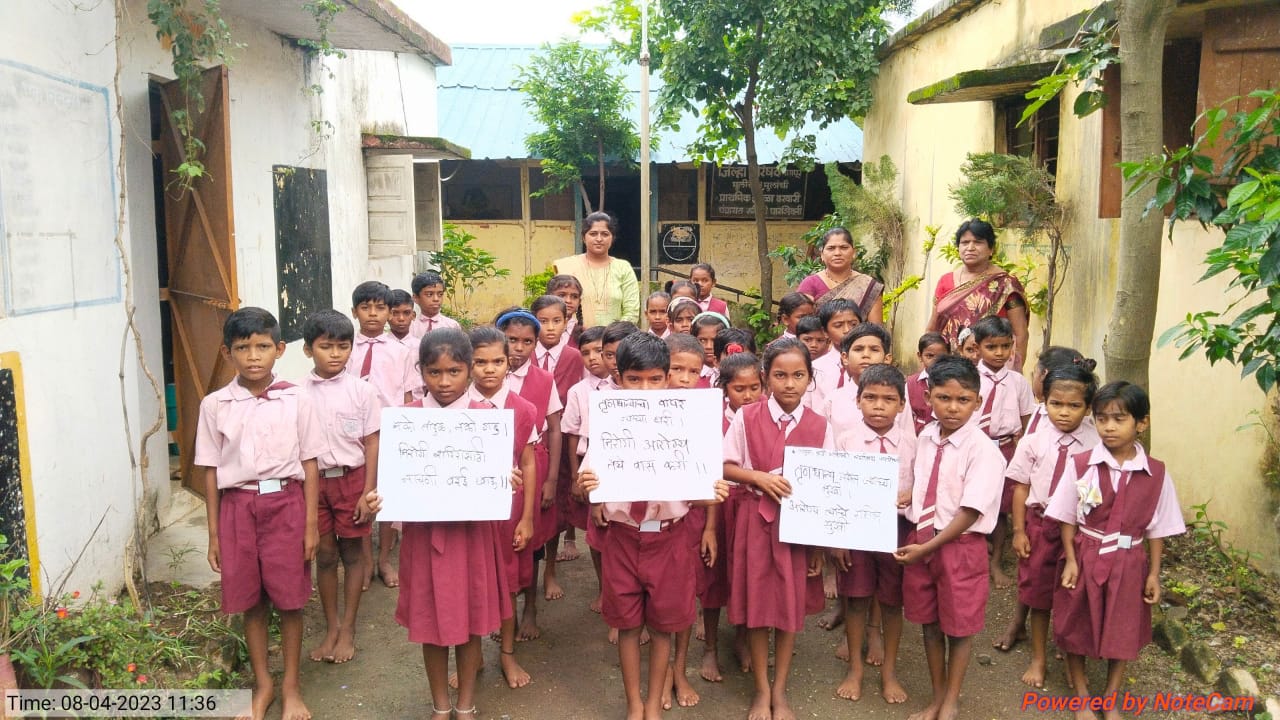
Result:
<point x="840" y="499"/>
<point x="436" y="464"/>
<point x="655" y="444"/>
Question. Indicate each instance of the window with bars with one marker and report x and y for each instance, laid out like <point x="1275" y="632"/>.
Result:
<point x="1037" y="138"/>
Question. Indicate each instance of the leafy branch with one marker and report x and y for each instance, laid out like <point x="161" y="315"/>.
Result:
<point x="1082" y="63"/>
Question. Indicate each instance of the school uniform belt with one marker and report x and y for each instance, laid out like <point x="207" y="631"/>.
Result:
<point x="264" y="487"/>
<point x="335" y="472"/>
<point x="649" y="525"/>
<point x="1110" y="542"/>
<point x="1004" y="440"/>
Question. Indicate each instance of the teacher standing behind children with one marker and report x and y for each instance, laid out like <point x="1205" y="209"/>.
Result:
<point x="610" y="291"/>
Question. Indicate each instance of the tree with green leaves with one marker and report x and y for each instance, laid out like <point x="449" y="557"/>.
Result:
<point x="585" y="109"/>
<point x="749" y="66"/>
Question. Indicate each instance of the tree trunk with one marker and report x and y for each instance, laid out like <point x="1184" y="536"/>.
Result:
<point x="747" y="115"/>
<point x="586" y="199"/>
<point x="1127" y="346"/>
<point x="600" y="160"/>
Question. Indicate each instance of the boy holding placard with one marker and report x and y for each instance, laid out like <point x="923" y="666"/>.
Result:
<point x="863" y="575"/>
<point x="647" y="560"/>
<point x="955" y="500"/>
<point x="349" y="414"/>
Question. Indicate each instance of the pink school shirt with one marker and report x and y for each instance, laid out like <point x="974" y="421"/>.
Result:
<point x="574" y="420"/>
<point x="826" y="373"/>
<point x="541" y="355"/>
<point x="1037" y="455"/>
<point x="347" y="410"/>
<point x="423" y="324"/>
<point x="899" y="442"/>
<point x="842" y="411"/>
<point x="1013" y="400"/>
<point x="410" y="342"/>
<point x="247" y="438"/>
<point x="1063" y="507"/>
<point x="515" y="383"/>
<point x="391" y="373"/>
<point x="971" y="476"/>
<point x="735" y="441"/>
<point x="499" y="401"/>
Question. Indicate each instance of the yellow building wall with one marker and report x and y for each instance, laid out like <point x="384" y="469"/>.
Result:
<point x="519" y="251"/>
<point x="1196" y="409"/>
<point x="730" y="247"/>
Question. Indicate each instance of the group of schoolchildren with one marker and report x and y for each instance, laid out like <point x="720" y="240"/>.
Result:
<point x="294" y="468"/>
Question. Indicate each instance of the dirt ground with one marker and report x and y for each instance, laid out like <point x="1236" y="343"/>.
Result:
<point x="576" y="675"/>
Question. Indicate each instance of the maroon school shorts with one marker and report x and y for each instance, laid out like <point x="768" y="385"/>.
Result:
<point x="875" y="573"/>
<point x="949" y="587"/>
<point x="338" y="499"/>
<point x="261" y="541"/>
<point x="648" y="578"/>
<point x="1038" y="574"/>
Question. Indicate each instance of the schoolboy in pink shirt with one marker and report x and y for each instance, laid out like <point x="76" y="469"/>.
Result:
<point x="349" y="414"/>
<point x="838" y="317"/>
<point x="648" y="563"/>
<point x="379" y="358"/>
<point x="400" y="320"/>
<point x="867" y="345"/>
<point x="428" y="293"/>
<point x="865" y="575"/>
<point x="258" y="439"/>
<point x="1007" y="405"/>
<point x="954" y="503"/>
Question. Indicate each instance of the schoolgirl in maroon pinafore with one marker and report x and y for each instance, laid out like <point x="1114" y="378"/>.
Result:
<point x="453" y="584"/>
<point x="1108" y="507"/>
<point x="772" y="585"/>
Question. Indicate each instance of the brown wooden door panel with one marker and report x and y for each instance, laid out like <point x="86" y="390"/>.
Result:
<point x="202" y="257"/>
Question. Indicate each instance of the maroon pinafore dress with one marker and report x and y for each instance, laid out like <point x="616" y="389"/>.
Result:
<point x="537" y="388"/>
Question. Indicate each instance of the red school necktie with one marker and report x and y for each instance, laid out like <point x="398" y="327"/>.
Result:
<point x="1064" y="446"/>
<point x="546" y="361"/>
<point x="367" y="365"/>
<point x="1110" y="543"/>
<point x="768" y="508"/>
<point x="883" y="450"/>
<point x="639" y="509"/>
<point x="431" y="324"/>
<point x="924" y="526"/>
<point x="984" y="423"/>
<point x="840" y="382"/>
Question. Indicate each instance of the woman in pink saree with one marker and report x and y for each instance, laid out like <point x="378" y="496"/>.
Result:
<point x="978" y="289"/>
<point x="840" y="280"/>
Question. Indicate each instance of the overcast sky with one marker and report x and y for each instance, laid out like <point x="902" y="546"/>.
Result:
<point x="511" y="21"/>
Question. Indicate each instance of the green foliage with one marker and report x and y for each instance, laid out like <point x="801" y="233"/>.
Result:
<point x="535" y="286"/>
<point x="196" y="36"/>
<point x="324" y="12"/>
<point x="762" y="323"/>
<point x="871" y="212"/>
<point x="1090" y="54"/>
<point x="100" y="642"/>
<point x="463" y="268"/>
<point x="585" y="107"/>
<point x="1240" y="195"/>
<point x="15" y="583"/>
<point x="1239" y="562"/>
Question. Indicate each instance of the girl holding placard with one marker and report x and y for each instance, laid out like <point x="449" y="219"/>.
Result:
<point x="450" y="599"/>
<point x="773" y="584"/>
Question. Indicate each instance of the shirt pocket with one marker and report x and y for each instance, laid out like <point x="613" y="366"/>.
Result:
<point x="350" y="426"/>
<point x="277" y="436"/>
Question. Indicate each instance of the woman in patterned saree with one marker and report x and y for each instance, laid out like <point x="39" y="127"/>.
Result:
<point x="978" y="289"/>
<point x="840" y="280"/>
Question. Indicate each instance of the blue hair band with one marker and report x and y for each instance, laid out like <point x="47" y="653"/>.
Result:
<point x="505" y="318"/>
<point x="716" y="315"/>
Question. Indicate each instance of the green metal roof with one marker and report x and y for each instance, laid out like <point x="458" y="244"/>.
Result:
<point x="481" y="108"/>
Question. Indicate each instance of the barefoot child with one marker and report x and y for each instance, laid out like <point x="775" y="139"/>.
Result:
<point x="428" y="293"/>
<point x="685" y="373"/>
<point x="954" y="502"/>
<point x="575" y="445"/>
<point x="930" y="347"/>
<point x="655" y="314"/>
<point x="488" y="371"/>
<point x="792" y="307"/>
<point x="554" y="355"/>
<point x="1110" y="499"/>
<point x="867" y="575"/>
<point x="388" y="366"/>
<point x="1007" y="404"/>
<point x="349" y="415"/>
<point x="703" y="277"/>
<point x="452" y="597"/>
<point x="568" y="289"/>
<point x="1038" y="467"/>
<point x="648" y="561"/>
<point x="742" y="384"/>
<point x="769" y="581"/>
<point x="538" y="386"/>
<point x="262" y="498"/>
